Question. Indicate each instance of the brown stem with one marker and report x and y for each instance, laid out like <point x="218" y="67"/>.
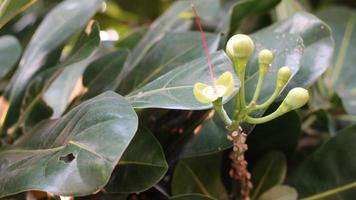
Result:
<point x="239" y="171"/>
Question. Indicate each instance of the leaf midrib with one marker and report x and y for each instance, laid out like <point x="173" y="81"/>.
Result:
<point x="196" y="179"/>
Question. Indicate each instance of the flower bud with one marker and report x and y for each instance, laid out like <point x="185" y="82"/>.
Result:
<point x="296" y="98"/>
<point x="265" y="59"/>
<point x="240" y="46"/>
<point x="283" y="75"/>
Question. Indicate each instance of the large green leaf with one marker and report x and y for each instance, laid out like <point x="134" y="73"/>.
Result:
<point x="280" y="192"/>
<point x="272" y="136"/>
<point x="311" y="59"/>
<point x="48" y="94"/>
<point x="72" y="155"/>
<point x="138" y="171"/>
<point x="241" y="9"/>
<point x="331" y="166"/>
<point x="132" y="40"/>
<point x="269" y="171"/>
<point x="318" y="42"/>
<point x="287" y="48"/>
<point x="10" y="8"/>
<point x="101" y="73"/>
<point x="165" y="23"/>
<point x="199" y="175"/>
<point x="173" y="50"/>
<point x="343" y="24"/>
<point x="177" y="18"/>
<point x="60" y="23"/>
<point x="174" y="89"/>
<point x="10" y="51"/>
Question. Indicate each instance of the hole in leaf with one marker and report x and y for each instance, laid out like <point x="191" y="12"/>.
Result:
<point x="67" y="158"/>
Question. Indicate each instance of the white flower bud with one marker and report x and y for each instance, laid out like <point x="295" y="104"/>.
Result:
<point x="283" y="76"/>
<point x="296" y="98"/>
<point x="240" y="46"/>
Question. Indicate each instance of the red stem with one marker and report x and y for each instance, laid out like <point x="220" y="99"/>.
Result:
<point x="206" y="49"/>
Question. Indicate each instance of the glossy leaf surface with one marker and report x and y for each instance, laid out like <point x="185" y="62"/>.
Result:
<point x="331" y="166"/>
<point x="174" y="50"/>
<point x="10" y="52"/>
<point x="174" y="90"/>
<point x="59" y="24"/>
<point x="73" y="155"/>
<point x="342" y="73"/>
<point x="10" y="8"/>
<point x="268" y="172"/>
<point x="193" y="175"/>
<point x="142" y="165"/>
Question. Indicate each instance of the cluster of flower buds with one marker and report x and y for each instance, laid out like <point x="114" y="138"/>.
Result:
<point x="240" y="48"/>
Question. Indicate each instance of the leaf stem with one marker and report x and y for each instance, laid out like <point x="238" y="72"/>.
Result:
<point x="331" y="192"/>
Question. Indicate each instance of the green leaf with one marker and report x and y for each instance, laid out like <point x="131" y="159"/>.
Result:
<point x="192" y="175"/>
<point x="287" y="8"/>
<point x="287" y="48"/>
<point x="268" y="172"/>
<point x="101" y="73"/>
<point x="309" y="53"/>
<point x="174" y="50"/>
<point x="241" y="9"/>
<point x="138" y="171"/>
<point x="342" y="21"/>
<point x="318" y="46"/>
<point x="177" y="18"/>
<point x="174" y="90"/>
<point x="10" y="8"/>
<point x="272" y="136"/>
<point x="191" y="197"/>
<point x="34" y="109"/>
<point x="331" y="166"/>
<point x="165" y="23"/>
<point x="59" y="24"/>
<point x="10" y="52"/>
<point x="280" y="192"/>
<point x="73" y="155"/>
<point x="131" y="40"/>
<point x="49" y="93"/>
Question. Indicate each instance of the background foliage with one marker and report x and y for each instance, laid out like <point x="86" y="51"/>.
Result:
<point x="97" y="103"/>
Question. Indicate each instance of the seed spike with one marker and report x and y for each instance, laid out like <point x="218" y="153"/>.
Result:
<point x="206" y="49"/>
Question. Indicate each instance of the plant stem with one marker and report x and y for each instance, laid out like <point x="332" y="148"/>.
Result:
<point x="331" y="192"/>
<point x="218" y="107"/>
<point x="261" y="78"/>
<point x="240" y="66"/>
<point x="264" y="119"/>
<point x="269" y="101"/>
